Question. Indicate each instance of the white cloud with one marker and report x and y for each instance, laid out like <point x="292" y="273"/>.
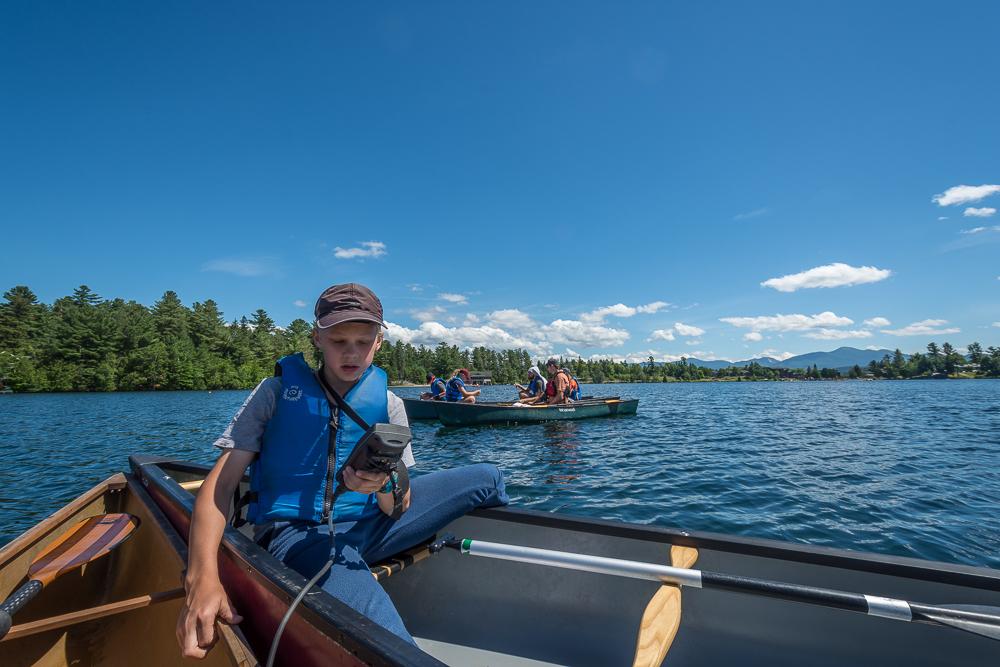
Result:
<point x="756" y="213"/>
<point x="877" y="322"/>
<point x="514" y="320"/>
<point x="584" y="334"/>
<point x="997" y="324"/>
<point x="571" y="352"/>
<point x="775" y="354"/>
<point x="974" y="230"/>
<point x="300" y="303"/>
<point x="837" y="334"/>
<point x="923" y="328"/>
<point x="427" y="315"/>
<point x="694" y="341"/>
<point x="470" y="319"/>
<point x="453" y="298"/>
<point x="687" y="330"/>
<point x="368" y="249"/>
<point x="837" y="274"/>
<point x="621" y="310"/>
<point x="638" y="357"/>
<point x="755" y="336"/>
<point x="942" y="217"/>
<point x="432" y="333"/>
<point x="246" y="268"/>
<point x="416" y="287"/>
<point x="652" y="307"/>
<point x="795" y="322"/>
<point x="964" y="194"/>
<point x="618" y="310"/>
<point x="661" y="334"/>
<point x="983" y="212"/>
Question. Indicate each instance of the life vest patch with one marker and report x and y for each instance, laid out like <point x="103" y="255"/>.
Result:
<point x="292" y="393"/>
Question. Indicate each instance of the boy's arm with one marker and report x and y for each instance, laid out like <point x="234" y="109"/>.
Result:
<point x="206" y="599"/>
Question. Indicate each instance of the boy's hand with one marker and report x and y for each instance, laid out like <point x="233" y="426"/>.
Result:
<point x="364" y="482"/>
<point x="205" y="602"/>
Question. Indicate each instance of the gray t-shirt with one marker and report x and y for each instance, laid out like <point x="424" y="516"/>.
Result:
<point x="246" y="430"/>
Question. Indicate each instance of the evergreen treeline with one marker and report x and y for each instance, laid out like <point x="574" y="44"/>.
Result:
<point x="85" y="343"/>
<point x="939" y="361"/>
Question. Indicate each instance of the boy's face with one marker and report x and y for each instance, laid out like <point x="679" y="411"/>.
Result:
<point x="348" y="348"/>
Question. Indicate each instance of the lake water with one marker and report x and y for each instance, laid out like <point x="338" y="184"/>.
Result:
<point x="908" y="468"/>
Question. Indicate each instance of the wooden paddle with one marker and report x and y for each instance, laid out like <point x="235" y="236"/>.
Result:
<point x="83" y="543"/>
<point x="662" y="617"/>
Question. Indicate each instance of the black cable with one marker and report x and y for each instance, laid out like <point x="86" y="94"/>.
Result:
<point x="305" y="589"/>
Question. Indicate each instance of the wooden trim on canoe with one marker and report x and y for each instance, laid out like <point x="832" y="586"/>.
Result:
<point x="59" y="518"/>
<point x="192" y="485"/>
<point x="84" y="615"/>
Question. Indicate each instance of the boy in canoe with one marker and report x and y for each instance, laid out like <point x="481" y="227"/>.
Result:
<point x="437" y="389"/>
<point x="455" y="391"/>
<point x="293" y="482"/>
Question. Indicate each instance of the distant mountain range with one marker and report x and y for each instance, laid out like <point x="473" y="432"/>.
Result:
<point x="841" y="358"/>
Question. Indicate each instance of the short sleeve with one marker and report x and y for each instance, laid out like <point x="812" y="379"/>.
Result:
<point x="397" y="415"/>
<point x="246" y="430"/>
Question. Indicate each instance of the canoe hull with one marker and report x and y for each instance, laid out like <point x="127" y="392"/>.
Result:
<point x="323" y="631"/>
<point x="151" y="561"/>
<point x="465" y="414"/>
<point x="417" y="408"/>
<point x="464" y="607"/>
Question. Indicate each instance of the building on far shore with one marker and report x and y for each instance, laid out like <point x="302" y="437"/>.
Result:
<point x="481" y="377"/>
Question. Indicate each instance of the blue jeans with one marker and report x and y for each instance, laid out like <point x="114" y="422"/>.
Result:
<point x="436" y="500"/>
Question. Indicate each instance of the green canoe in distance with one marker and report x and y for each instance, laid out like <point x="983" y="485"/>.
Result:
<point x="472" y="414"/>
<point x="418" y="408"/>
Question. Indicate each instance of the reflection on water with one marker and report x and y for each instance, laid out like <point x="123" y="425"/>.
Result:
<point x="561" y="441"/>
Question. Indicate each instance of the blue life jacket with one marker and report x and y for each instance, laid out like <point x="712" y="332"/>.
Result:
<point x="293" y="475"/>
<point x="454" y="392"/>
<point x="534" y="386"/>
<point x="437" y="387"/>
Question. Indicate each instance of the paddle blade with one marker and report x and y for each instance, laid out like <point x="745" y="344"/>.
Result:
<point x="978" y="619"/>
<point x="85" y="542"/>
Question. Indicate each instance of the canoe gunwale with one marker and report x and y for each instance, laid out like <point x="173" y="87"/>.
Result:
<point x="355" y="633"/>
<point x="58" y="518"/>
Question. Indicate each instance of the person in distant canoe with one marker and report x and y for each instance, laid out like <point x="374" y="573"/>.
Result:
<point x="437" y="389"/>
<point x="536" y="385"/>
<point x="294" y="431"/>
<point x="561" y="386"/>
<point x="455" y="390"/>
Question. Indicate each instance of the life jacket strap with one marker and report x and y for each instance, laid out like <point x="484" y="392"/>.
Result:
<point x="240" y="502"/>
<point x="341" y="403"/>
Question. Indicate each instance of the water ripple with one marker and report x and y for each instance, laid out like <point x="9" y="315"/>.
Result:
<point x="905" y="468"/>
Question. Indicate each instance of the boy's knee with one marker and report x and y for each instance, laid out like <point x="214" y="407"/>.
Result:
<point x="489" y="479"/>
<point x="487" y="473"/>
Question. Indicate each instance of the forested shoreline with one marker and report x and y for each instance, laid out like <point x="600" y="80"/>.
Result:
<point x="83" y="342"/>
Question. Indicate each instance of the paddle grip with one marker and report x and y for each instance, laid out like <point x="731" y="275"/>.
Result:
<point x="21" y="597"/>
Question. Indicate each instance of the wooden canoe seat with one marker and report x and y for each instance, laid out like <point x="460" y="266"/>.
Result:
<point x="401" y="561"/>
<point x="662" y="617"/>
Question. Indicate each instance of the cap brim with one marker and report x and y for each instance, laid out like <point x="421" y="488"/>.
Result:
<point x="333" y="319"/>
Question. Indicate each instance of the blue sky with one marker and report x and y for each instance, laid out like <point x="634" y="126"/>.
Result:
<point x="600" y="178"/>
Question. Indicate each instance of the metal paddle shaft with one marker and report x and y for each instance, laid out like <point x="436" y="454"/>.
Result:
<point x="85" y="542"/>
<point x="977" y="619"/>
